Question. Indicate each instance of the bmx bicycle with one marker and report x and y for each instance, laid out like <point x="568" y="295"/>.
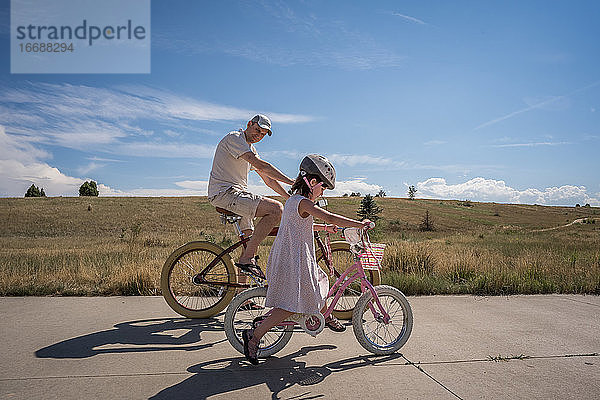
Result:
<point x="198" y="280"/>
<point x="382" y="318"/>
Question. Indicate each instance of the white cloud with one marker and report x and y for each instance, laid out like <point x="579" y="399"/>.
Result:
<point x="357" y="159"/>
<point x="194" y="185"/>
<point x="200" y="190"/>
<point x="13" y="148"/>
<point x="353" y="185"/>
<point x="20" y="167"/>
<point x="490" y="190"/>
<point x="435" y="142"/>
<point x="86" y="169"/>
<point x="350" y="160"/>
<point x="550" y="103"/>
<point x="166" y="150"/>
<point x="291" y="154"/>
<point x="532" y="144"/>
<point x="341" y="187"/>
<point x="409" y="18"/>
<point x="107" y="119"/>
<point x="330" y="42"/>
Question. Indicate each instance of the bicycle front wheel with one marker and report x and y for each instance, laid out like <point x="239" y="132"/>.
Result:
<point x="192" y="297"/>
<point x="342" y="258"/>
<point x="243" y="312"/>
<point x="370" y="329"/>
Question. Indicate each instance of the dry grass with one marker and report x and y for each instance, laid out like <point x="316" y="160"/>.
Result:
<point x="116" y="246"/>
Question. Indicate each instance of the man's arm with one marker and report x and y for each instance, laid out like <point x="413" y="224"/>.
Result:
<point x="273" y="184"/>
<point x="265" y="168"/>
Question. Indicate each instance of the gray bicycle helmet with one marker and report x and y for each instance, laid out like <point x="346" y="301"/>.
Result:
<point x="315" y="164"/>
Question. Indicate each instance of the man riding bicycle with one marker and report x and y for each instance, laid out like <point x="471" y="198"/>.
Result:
<point x="234" y="158"/>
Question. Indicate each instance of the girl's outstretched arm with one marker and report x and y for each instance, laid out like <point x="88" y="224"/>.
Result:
<point x="325" y="227"/>
<point x="307" y="207"/>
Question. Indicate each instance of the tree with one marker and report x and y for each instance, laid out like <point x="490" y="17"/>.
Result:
<point x="412" y="190"/>
<point x="381" y="193"/>
<point x="426" y="223"/>
<point x="88" y="188"/>
<point x="34" y="191"/>
<point x="369" y="209"/>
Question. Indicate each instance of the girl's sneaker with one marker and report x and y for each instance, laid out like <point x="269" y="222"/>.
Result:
<point x="334" y="324"/>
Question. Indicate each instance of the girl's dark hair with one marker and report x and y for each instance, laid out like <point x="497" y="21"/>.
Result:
<point x="301" y="187"/>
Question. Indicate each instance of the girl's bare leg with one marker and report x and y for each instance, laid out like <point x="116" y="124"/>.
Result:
<point x="277" y="316"/>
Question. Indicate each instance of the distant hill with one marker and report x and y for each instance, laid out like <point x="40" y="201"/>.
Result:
<point x="109" y="245"/>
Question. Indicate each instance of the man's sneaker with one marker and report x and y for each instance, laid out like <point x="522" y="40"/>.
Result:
<point x="250" y="350"/>
<point x="334" y="324"/>
<point x="251" y="269"/>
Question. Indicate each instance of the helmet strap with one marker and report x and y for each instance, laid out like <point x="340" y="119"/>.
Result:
<point x="311" y="187"/>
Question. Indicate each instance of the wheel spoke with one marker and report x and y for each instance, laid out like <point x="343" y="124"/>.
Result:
<point x="199" y="297"/>
<point x="376" y="335"/>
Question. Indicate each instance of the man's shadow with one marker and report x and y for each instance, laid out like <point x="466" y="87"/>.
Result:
<point x="230" y="374"/>
<point x="164" y="334"/>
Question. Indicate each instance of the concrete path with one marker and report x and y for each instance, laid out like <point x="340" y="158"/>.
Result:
<point x="461" y="347"/>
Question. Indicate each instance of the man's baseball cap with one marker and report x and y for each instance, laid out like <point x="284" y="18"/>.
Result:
<point x="263" y="121"/>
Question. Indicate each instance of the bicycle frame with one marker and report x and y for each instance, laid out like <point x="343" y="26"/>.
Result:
<point x="340" y="286"/>
<point x="200" y="277"/>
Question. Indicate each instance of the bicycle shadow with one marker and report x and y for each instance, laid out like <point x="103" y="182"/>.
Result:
<point x="278" y="373"/>
<point x="164" y="334"/>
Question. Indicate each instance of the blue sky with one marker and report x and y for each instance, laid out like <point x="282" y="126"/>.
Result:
<point x="486" y="101"/>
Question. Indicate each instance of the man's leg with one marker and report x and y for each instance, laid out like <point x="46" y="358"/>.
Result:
<point x="241" y="276"/>
<point x="270" y="212"/>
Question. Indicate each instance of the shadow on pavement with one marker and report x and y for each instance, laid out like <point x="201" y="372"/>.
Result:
<point x="230" y="374"/>
<point x="165" y="334"/>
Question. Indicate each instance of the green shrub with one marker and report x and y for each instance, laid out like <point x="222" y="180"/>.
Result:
<point x="88" y="188"/>
<point x="34" y="191"/>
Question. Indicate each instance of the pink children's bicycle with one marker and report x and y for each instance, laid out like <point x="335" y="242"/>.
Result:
<point x="382" y="319"/>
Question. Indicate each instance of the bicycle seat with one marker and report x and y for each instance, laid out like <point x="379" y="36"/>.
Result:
<point x="226" y="212"/>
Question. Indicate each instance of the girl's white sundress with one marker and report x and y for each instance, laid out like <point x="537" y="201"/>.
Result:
<point x="296" y="283"/>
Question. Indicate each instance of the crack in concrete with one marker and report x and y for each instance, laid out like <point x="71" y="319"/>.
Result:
<point x="417" y="366"/>
<point x="489" y="359"/>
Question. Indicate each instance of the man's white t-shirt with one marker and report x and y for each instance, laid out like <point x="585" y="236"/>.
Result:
<point x="228" y="169"/>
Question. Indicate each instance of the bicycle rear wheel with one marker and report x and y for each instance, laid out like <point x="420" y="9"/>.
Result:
<point x="343" y="258"/>
<point x="242" y="313"/>
<point x="372" y="332"/>
<point x="195" y="298"/>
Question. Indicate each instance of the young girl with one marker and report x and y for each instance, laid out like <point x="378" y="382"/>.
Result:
<point x="296" y="283"/>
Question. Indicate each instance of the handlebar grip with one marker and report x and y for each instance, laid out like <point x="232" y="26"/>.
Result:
<point x="372" y="225"/>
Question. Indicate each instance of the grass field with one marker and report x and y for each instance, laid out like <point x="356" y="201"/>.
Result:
<point x="117" y="246"/>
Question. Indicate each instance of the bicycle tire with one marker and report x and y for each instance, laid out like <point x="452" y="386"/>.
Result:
<point x="237" y="319"/>
<point x="342" y="257"/>
<point x="373" y="334"/>
<point x="197" y="300"/>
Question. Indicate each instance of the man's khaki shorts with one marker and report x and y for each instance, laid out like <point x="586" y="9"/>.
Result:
<point x="240" y="202"/>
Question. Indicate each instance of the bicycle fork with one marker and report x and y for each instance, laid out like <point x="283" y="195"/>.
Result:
<point x="382" y="316"/>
